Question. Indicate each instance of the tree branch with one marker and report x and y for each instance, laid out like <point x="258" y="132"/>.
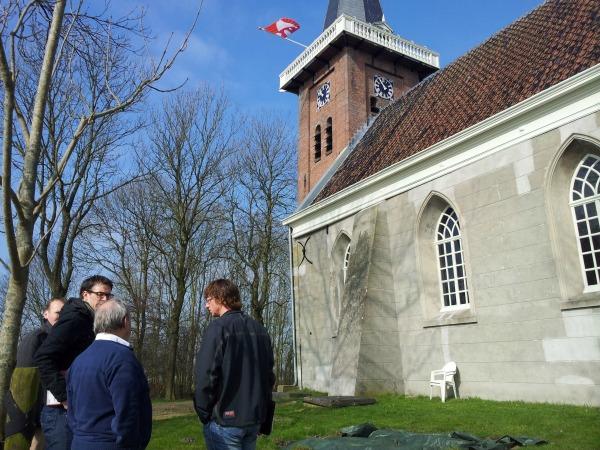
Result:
<point x="133" y="97"/>
<point x="37" y="246"/>
<point x="7" y="140"/>
<point x="13" y="34"/>
<point x="14" y="199"/>
<point x="62" y="164"/>
<point x="32" y="155"/>
<point x="64" y="41"/>
<point x="22" y="123"/>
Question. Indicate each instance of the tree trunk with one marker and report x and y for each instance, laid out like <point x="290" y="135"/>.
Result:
<point x="255" y="308"/>
<point x="173" y="341"/>
<point x="143" y="305"/>
<point x="9" y="333"/>
<point x="23" y="238"/>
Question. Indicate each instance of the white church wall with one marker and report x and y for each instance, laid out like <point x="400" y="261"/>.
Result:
<point x="318" y="309"/>
<point x="514" y="285"/>
<point x="516" y="342"/>
<point x="380" y="365"/>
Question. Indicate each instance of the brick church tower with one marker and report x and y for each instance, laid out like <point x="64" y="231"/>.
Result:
<point x="356" y="67"/>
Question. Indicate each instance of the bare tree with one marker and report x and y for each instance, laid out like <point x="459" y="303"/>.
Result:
<point x="79" y="81"/>
<point x="190" y="145"/>
<point x="91" y="175"/>
<point x="263" y="195"/>
<point x="124" y="243"/>
<point x="121" y="244"/>
<point x="59" y="34"/>
<point x="195" y="321"/>
<point x="278" y="321"/>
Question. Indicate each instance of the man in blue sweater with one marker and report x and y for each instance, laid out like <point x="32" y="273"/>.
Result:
<point x="107" y="390"/>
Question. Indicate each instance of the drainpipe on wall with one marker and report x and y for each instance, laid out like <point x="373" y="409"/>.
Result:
<point x="297" y="379"/>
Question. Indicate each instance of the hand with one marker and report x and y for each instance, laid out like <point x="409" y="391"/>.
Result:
<point x="64" y="404"/>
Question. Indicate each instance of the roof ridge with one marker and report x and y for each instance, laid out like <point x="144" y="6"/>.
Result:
<point x="553" y="42"/>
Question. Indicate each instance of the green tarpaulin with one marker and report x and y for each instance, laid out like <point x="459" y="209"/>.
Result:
<point x="368" y="437"/>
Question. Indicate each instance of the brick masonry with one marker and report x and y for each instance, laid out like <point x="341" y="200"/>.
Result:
<point x="351" y="74"/>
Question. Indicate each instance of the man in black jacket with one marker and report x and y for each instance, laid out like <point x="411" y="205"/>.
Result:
<point x="71" y="335"/>
<point x="234" y="372"/>
<point x="30" y="343"/>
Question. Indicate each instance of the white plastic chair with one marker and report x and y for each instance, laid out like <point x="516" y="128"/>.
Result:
<point x="443" y="378"/>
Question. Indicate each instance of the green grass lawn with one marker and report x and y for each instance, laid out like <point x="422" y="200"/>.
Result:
<point x="564" y="427"/>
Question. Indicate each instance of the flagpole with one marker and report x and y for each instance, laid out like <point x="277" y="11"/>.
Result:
<point x="285" y="39"/>
<point x="295" y="42"/>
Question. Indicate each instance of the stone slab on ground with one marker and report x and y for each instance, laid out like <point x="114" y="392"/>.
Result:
<point x="286" y="387"/>
<point x="339" y="401"/>
<point x="282" y="396"/>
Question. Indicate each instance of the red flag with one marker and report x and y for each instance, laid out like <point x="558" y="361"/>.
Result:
<point x="282" y="27"/>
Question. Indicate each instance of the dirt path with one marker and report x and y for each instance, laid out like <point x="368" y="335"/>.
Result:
<point x="166" y="410"/>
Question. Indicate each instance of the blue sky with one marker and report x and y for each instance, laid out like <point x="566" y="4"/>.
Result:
<point x="227" y="48"/>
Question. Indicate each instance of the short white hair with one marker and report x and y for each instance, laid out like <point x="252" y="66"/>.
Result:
<point x="110" y="316"/>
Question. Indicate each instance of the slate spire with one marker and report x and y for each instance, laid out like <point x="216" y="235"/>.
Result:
<point x="366" y="10"/>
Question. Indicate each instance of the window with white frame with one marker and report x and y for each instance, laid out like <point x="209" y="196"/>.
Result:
<point x="453" y="278"/>
<point x="585" y="203"/>
<point x="346" y="260"/>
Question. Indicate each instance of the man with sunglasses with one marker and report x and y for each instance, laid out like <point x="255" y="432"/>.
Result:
<point x="69" y="337"/>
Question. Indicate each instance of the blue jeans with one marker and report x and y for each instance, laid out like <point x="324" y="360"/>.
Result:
<point x="56" y="429"/>
<point x="218" y="437"/>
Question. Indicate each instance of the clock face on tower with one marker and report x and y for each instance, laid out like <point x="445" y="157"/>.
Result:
<point x="324" y="94"/>
<point x="383" y="87"/>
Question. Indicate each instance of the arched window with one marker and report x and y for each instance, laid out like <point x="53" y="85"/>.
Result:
<point x="329" y="136"/>
<point x="443" y="261"/>
<point x="318" y="143"/>
<point x="453" y="277"/>
<point x="585" y="203"/>
<point x="346" y="260"/>
<point x="573" y="192"/>
<point x="374" y="108"/>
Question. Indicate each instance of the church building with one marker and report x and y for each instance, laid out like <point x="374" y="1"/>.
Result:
<point x="449" y="214"/>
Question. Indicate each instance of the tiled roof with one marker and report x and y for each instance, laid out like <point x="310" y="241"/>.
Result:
<point x="552" y="43"/>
